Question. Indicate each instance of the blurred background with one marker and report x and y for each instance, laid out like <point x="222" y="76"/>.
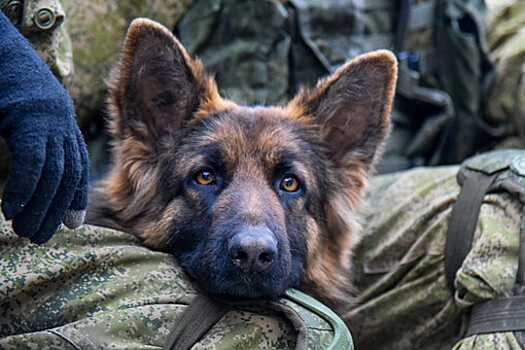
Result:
<point x="460" y="90"/>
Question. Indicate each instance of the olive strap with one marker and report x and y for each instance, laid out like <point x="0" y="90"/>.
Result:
<point x="205" y="311"/>
<point x="497" y="315"/>
<point x="198" y="318"/>
<point x="463" y="220"/>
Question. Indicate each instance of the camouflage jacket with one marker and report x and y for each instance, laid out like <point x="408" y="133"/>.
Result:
<point x="96" y="288"/>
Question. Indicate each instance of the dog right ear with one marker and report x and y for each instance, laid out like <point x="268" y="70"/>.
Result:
<point x="352" y="106"/>
<point x="158" y="86"/>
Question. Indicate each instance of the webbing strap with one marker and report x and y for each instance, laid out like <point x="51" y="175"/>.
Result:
<point x="204" y="312"/>
<point x="196" y="321"/>
<point x="463" y="222"/>
<point x="497" y="315"/>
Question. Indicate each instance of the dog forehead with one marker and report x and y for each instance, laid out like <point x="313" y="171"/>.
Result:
<point x="261" y="133"/>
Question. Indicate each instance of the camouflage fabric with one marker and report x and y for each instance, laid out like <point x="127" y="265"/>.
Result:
<point x="505" y="103"/>
<point x="96" y="288"/>
<point x="403" y="299"/>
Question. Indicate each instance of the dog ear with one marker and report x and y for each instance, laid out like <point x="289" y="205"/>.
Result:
<point x="157" y="86"/>
<point x="353" y="105"/>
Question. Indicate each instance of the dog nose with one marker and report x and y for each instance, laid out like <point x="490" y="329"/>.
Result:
<point x="253" y="249"/>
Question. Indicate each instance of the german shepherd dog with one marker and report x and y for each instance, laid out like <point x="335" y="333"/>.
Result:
<point x="250" y="200"/>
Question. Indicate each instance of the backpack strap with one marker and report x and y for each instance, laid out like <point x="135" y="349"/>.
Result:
<point x="205" y="311"/>
<point x="463" y="222"/>
<point x="499" y="171"/>
<point x="196" y="321"/>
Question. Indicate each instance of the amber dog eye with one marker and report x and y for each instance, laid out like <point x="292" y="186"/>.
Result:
<point x="205" y="177"/>
<point x="290" y="184"/>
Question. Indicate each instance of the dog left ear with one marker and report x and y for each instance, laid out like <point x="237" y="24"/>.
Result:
<point x="353" y="106"/>
<point x="158" y="86"/>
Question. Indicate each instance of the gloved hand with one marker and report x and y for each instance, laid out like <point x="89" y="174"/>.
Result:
<point x="48" y="178"/>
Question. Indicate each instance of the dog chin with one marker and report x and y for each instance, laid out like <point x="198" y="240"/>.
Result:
<point x="247" y="289"/>
<point x="233" y="285"/>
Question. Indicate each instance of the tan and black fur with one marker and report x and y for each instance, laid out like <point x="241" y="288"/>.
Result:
<point x="169" y="125"/>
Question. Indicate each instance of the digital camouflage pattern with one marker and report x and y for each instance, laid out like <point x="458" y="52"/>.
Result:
<point x="403" y="300"/>
<point x="96" y="288"/>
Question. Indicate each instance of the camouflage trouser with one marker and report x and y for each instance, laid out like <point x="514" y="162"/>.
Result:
<point x="96" y="288"/>
<point x="93" y="287"/>
<point x="404" y="301"/>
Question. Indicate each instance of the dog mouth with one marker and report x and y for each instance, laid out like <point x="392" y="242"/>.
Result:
<point x="250" y="264"/>
<point x="241" y="285"/>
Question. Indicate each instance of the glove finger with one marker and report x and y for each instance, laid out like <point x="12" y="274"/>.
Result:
<point x="27" y="223"/>
<point x="77" y="209"/>
<point x="26" y="168"/>
<point x="64" y="194"/>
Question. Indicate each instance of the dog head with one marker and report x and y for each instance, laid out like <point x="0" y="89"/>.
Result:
<point x="251" y="200"/>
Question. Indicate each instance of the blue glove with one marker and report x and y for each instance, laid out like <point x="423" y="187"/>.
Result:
<point x="48" y="178"/>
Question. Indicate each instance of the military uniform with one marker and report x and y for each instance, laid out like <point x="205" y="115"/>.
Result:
<point x="404" y="301"/>
<point x="96" y="288"/>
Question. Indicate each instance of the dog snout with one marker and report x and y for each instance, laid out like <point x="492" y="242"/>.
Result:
<point x="253" y="249"/>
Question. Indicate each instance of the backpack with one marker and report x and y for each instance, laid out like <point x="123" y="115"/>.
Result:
<point x="493" y="172"/>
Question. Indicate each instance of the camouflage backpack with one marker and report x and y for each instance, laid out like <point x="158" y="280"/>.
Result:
<point x="418" y="288"/>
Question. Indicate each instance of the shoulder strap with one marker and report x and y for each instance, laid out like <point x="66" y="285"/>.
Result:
<point x="196" y="321"/>
<point x="463" y="222"/>
<point x="488" y="173"/>
<point x="205" y="311"/>
<point x="497" y="171"/>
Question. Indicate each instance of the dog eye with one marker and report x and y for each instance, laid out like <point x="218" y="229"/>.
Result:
<point x="205" y="177"/>
<point x="290" y="184"/>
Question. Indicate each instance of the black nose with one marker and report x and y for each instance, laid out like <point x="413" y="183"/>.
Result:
<point x="253" y="249"/>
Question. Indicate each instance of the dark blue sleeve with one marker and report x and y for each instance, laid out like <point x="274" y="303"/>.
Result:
<point x="48" y="178"/>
